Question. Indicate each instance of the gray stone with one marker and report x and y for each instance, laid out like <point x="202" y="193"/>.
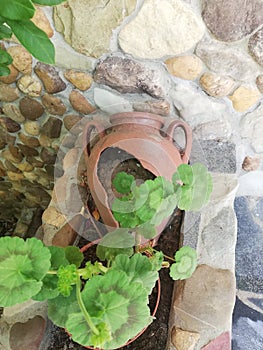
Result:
<point x="91" y="37"/>
<point x="111" y="103"/>
<point x="161" y="28"/>
<point x="130" y="76"/>
<point x="255" y="46"/>
<point x="251" y="184"/>
<point x="247" y="334"/>
<point x="251" y="128"/>
<point x="249" y="248"/>
<point x="232" y="20"/>
<point x="225" y="60"/>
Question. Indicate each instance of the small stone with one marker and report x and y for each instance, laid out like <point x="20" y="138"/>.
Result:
<point x="48" y="155"/>
<point x="31" y="108"/>
<point x="185" y="67"/>
<point x="53" y="104"/>
<point x="160" y="107"/>
<point x="141" y="38"/>
<point x="11" y="78"/>
<point x="50" y="78"/>
<point x="27" y="150"/>
<point x="52" y="127"/>
<point x="255" y="46"/>
<point x="9" y="165"/>
<point x="32" y="128"/>
<point x="30" y="86"/>
<point x="80" y="80"/>
<point x="12" y="154"/>
<point x="35" y="162"/>
<point x="259" y="82"/>
<point x="41" y="21"/>
<point x="28" y="140"/>
<point x="8" y="93"/>
<point x="184" y="340"/>
<point x="13" y="112"/>
<point x="52" y="217"/>
<point x="216" y="85"/>
<point x="45" y="141"/>
<point x="25" y="166"/>
<point x="251" y="163"/>
<point x="80" y="103"/>
<point x="71" y="120"/>
<point x="232" y="20"/>
<point x="22" y="59"/>
<point x="65" y="236"/>
<point x="243" y="98"/>
<point x="129" y="76"/>
<point x="71" y="158"/>
<point x="9" y="124"/>
<point x="15" y="176"/>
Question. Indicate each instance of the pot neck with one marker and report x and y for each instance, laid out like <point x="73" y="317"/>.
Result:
<point x="139" y="118"/>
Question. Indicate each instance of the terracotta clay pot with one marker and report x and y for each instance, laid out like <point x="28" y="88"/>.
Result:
<point x="142" y="135"/>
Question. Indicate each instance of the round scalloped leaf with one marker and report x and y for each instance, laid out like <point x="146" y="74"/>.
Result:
<point x="23" y="265"/>
<point x="122" y="182"/>
<point x="186" y="262"/>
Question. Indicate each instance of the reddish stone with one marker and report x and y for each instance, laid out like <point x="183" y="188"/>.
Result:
<point x="222" y="342"/>
<point x="50" y="78"/>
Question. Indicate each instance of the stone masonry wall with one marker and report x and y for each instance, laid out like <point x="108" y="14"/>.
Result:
<point x="198" y="60"/>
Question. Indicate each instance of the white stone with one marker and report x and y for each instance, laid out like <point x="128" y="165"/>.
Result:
<point x="251" y="184"/>
<point x="252" y="128"/>
<point x="110" y="102"/>
<point x="161" y="28"/>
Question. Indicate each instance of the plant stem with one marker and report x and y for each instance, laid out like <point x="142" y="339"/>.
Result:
<point x="83" y="309"/>
<point x="166" y="256"/>
<point x="50" y="272"/>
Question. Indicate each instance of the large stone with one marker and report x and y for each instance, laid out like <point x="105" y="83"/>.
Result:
<point x="42" y="22"/>
<point x="53" y="104"/>
<point x="216" y="85"/>
<point x="80" y="80"/>
<point x="8" y="93"/>
<point x="185" y="67"/>
<point x="31" y="108"/>
<point x="111" y="102"/>
<point x="104" y="16"/>
<point x="204" y="303"/>
<point x="130" y="76"/>
<point x="234" y="19"/>
<point x="13" y="112"/>
<point x="80" y="103"/>
<point x="30" y="85"/>
<point x="52" y="127"/>
<point x="225" y="60"/>
<point x="161" y="28"/>
<point x="244" y="97"/>
<point x="252" y="128"/>
<point x="22" y="60"/>
<point x="255" y="46"/>
<point x="50" y="78"/>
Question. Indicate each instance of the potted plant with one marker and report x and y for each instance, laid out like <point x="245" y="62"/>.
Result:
<point x="105" y="303"/>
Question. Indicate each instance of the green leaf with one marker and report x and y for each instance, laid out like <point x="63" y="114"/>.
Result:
<point x="156" y="260"/>
<point x="5" y="57"/>
<point x="23" y="265"/>
<point x="17" y="9"/>
<point x="49" y="288"/>
<point x="119" y="241"/>
<point x="186" y="262"/>
<point x="138" y="269"/>
<point x="165" y="210"/>
<point x="48" y="2"/>
<point x="5" y="32"/>
<point x="58" y="257"/>
<point x="122" y="182"/>
<point x="90" y="270"/>
<point x="4" y="70"/>
<point x="34" y="40"/>
<point x="147" y="230"/>
<point x="74" y="255"/>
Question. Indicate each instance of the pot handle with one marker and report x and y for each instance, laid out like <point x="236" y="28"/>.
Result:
<point x="185" y="153"/>
<point x="91" y="126"/>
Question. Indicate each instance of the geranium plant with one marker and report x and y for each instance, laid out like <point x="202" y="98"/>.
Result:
<point x="104" y="304"/>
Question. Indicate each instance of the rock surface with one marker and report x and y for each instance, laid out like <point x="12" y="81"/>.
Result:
<point x="143" y="39"/>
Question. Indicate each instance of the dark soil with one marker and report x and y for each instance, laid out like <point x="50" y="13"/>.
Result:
<point x="155" y="336"/>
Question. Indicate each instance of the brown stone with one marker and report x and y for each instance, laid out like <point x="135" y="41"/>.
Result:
<point x="216" y="85"/>
<point x="259" y="82"/>
<point x="8" y="93"/>
<point x="22" y="60"/>
<point x="45" y="141"/>
<point x="31" y="108"/>
<point x="25" y="166"/>
<point x="185" y="67"/>
<point x="37" y="194"/>
<point x="11" y="167"/>
<point x="28" y="151"/>
<point x="54" y="105"/>
<point x="32" y="128"/>
<point x="13" y="176"/>
<point x="13" y="154"/>
<point x="50" y="78"/>
<point x="244" y="97"/>
<point x="13" y="112"/>
<point x="48" y="155"/>
<point x="30" y="86"/>
<point x="28" y="140"/>
<point x="35" y="162"/>
<point x="52" y="127"/>
<point x="184" y="340"/>
<point x="251" y="163"/>
<point x="5" y="137"/>
<point x="69" y="141"/>
<point x="80" y="103"/>
<point x="161" y="107"/>
<point x="11" y="78"/>
<point x="9" y="124"/>
<point x="80" y="80"/>
<point x="65" y="236"/>
<point x="71" y="120"/>
<point x="42" y="22"/>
